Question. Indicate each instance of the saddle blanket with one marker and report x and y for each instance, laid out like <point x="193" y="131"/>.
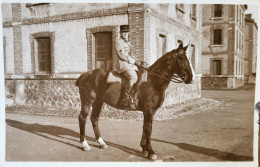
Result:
<point x="112" y="78"/>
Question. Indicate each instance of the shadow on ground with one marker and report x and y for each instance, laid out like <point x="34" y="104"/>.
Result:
<point x="209" y="152"/>
<point x="60" y="132"/>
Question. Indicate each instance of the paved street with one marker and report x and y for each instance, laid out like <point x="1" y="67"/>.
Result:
<point x="223" y="132"/>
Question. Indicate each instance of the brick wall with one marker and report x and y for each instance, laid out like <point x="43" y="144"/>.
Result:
<point x="17" y="35"/>
<point x="136" y="34"/>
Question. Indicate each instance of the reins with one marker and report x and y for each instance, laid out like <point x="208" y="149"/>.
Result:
<point x="174" y="79"/>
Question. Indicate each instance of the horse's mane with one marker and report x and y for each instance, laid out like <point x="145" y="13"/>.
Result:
<point x="160" y="60"/>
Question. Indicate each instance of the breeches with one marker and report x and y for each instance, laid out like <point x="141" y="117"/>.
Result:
<point x="131" y="75"/>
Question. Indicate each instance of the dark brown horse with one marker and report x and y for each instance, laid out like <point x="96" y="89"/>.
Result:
<point x="94" y="91"/>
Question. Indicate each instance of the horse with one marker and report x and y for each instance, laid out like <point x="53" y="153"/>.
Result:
<point x="94" y="91"/>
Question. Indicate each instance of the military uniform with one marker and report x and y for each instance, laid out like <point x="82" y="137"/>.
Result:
<point x="126" y="64"/>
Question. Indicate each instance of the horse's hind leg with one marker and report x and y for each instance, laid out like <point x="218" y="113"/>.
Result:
<point x="85" y="107"/>
<point x="94" y="120"/>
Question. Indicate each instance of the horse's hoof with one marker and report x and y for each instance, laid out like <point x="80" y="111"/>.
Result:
<point x="152" y="157"/>
<point x="101" y="143"/>
<point x="85" y="145"/>
<point x="86" y="148"/>
<point x="103" y="146"/>
<point x="145" y="153"/>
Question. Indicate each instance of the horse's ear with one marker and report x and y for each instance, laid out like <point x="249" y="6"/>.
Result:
<point x="180" y="46"/>
<point x="185" y="48"/>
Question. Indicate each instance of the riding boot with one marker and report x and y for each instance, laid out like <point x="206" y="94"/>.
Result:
<point x="126" y="98"/>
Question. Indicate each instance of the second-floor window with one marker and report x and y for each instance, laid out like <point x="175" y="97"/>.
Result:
<point x="180" y="7"/>
<point x="193" y="11"/>
<point x="217" y="10"/>
<point x="193" y="56"/>
<point x="217" y="37"/>
<point x="161" y="45"/>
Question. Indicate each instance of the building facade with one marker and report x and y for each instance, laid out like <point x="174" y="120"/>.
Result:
<point x="251" y="32"/>
<point x="223" y="46"/>
<point x="48" y="45"/>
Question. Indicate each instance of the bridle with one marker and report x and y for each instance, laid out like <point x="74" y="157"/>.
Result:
<point x="175" y="78"/>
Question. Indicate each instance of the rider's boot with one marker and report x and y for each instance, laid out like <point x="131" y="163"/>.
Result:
<point x="126" y="98"/>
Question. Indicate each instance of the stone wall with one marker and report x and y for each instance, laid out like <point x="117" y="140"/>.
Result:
<point x="180" y="92"/>
<point x="62" y="93"/>
<point x="58" y="93"/>
<point x="214" y="82"/>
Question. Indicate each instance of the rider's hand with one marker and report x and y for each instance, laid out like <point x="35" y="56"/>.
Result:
<point x="138" y="63"/>
<point x="144" y="65"/>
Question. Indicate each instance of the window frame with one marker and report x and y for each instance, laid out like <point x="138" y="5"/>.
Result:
<point x="34" y="54"/>
<point x="180" y="7"/>
<point x="215" y="10"/>
<point x="161" y="35"/>
<point x="91" y="62"/>
<point x="193" y="12"/>
<point x="110" y="50"/>
<point x="193" y="56"/>
<point x="215" y="40"/>
<point x="214" y="71"/>
<point x="47" y="58"/>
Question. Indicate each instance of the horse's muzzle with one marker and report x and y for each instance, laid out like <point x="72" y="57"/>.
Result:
<point x="186" y="79"/>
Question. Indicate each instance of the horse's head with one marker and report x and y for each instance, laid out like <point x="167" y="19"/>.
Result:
<point x="182" y="65"/>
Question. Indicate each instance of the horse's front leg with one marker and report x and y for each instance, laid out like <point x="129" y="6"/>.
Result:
<point x="82" y="122"/>
<point x="147" y="132"/>
<point x="94" y="120"/>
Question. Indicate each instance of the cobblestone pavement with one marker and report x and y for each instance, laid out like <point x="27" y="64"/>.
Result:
<point x="217" y="133"/>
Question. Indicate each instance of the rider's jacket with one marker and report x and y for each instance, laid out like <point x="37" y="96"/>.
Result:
<point x="125" y="59"/>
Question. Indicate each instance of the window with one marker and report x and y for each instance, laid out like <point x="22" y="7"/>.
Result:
<point x="236" y="67"/>
<point x="180" y="7"/>
<point x="193" y="56"/>
<point x="217" y="37"/>
<point x="237" y="39"/>
<point x="161" y="45"/>
<point x="242" y="42"/>
<point x="216" y="67"/>
<point x="44" y="54"/>
<point x="193" y="11"/>
<point x="242" y="68"/>
<point x="237" y="13"/>
<point x="4" y="50"/>
<point x="103" y="50"/>
<point x="217" y="10"/>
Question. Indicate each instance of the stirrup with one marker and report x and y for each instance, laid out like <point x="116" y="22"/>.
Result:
<point x="127" y="99"/>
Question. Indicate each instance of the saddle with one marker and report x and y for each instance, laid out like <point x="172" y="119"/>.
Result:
<point x="113" y="77"/>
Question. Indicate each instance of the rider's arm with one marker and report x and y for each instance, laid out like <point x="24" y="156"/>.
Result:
<point x="121" y="55"/>
<point x="119" y="50"/>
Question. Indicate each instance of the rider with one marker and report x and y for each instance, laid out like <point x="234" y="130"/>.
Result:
<point x="126" y="65"/>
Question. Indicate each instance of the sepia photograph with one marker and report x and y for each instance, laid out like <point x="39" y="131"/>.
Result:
<point x="142" y="83"/>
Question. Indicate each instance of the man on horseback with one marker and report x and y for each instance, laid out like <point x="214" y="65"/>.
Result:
<point x="126" y="65"/>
